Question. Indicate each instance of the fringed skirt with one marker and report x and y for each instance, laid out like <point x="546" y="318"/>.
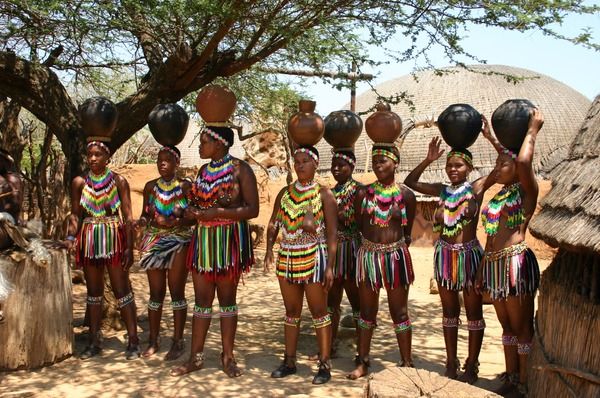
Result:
<point x="344" y="267"/>
<point x="221" y="249"/>
<point x="455" y="264"/>
<point x="159" y="246"/>
<point x="101" y="241"/>
<point x="384" y="264"/>
<point x="512" y="271"/>
<point x="302" y="260"/>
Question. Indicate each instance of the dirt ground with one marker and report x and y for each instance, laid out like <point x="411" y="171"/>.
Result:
<point x="259" y="343"/>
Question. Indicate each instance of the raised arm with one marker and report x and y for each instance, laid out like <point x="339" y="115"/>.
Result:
<point x="486" y="131"/>
<point x="272" y="231"/>
<point x="524" y="161"/>
<point x="331" y="226"/>
<point x="412" y="179"/>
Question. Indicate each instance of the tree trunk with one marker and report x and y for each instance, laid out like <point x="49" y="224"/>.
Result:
<point x="410" y="382"/>
<point x="11" y="139"/>
<point x="38" y="329"/>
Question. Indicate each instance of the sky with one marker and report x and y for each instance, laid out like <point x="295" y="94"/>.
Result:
<point x="572" y="65"/>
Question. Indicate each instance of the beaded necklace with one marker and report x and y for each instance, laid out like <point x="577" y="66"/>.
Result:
<point x="295" y="202"/>
<point x="344" y="196"/>
<point x="378" y="203"/>
<point x="214" y="181"/>
<point x="166" y="195"/>
<point x="509" y="200"/>
<point x="100" y="193"/>
<point x="456" y="203"/>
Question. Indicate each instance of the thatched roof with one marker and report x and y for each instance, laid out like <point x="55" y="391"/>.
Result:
<point x="563" y="108"/>
<point x="570" y="215"/>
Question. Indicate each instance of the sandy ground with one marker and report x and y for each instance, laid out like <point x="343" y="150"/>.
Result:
<point x="259" y="343"/>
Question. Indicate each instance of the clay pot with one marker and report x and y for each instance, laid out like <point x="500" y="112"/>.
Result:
<point x="510" y="121"/>
<point x="168" y="123"/>
<point x="98" y="117"/>
<point x="305" y="126"/>
<point x="215" y="104"/>
<point x="460" y="125"/>
<point x="342" y="129"/>
<point x="383" y="125"/>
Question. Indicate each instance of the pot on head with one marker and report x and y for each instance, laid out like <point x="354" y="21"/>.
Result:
<point x="383" y="126"/>
<point x="510" y="122"/>
<point x="168" y="124"/>
<point x="342" y="128"/>
<point x="459" y="125"/>
<point x="98" y="116"/>
<point x="215" y="104"/>
<point x="306" y="127"/>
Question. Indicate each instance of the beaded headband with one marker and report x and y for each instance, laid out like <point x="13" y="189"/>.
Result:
<point x="461" y="155"/>
<point x="385" y="152"/>
<point x="100" y="144"/>
<point x="308" y="152"/>
<point x="171" y="151"/>
<point x="216" y="136"/>
<point x="510" y="153"/>
<point x="344" y="157"/>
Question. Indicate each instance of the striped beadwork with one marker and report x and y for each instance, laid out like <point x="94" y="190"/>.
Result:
<point x="455" y="264"/>
<point x="213" y="182"/>
<point x="296" y="201"/>
<point x="512" y="271"/>
<point x="100" y="194"/>
<point x="456" y="203"/>
<point x="379" y="201"/>
<point x="101" y="241"/>
<point x="384" y="264"/>
<point x="166" y="196"/>
<point x="508" y="201"/>
<point x="344" y="196"/>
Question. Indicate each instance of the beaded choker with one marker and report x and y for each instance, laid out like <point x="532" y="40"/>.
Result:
<point x="344" y="196"/>
<point x="166" y="196"/>
<point x="456" y="202"/>
<point x="213" y="182"/>
<point x="378" y="203"/>
<point x="100" y="194"/>
<point x="295" y="202"/>
<point x="507" y="200"/>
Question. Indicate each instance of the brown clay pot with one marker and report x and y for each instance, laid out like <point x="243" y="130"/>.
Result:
<point x="459" y="125"/>
<point x="215" y="104"/>
<point x="342" y="129"/>
<point x="98" y="117"/>
<point x="305" y="126"/>
<point x="168" y="123"/>
<point x="383" y="125"/>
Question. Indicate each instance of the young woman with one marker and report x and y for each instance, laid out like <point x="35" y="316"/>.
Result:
<point x="510" y="271"/>
<point x="348" y="238"/>
<point x="385" y="212"/>
<point x="164" y="247"/>
<point x="457" y="251"/>
<point x="223" y="197"/>
<point x="103" y="238"/>
<point x="305" y="212"/>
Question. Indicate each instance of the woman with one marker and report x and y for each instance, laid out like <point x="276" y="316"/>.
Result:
<point x="385" y="213"/>
<point x="164" y="248"/>
<point x="348" y="238"/>
<point x="457" y="251"/>
<point x="305" y="212"/>
<point x="101" y="239"/>
<point x="223" y="197"/>
<point x="510" y="270"/>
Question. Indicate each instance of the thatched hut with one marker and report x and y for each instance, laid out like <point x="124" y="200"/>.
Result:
<point x="564" y="109"/>
<point x="566" y="356"/>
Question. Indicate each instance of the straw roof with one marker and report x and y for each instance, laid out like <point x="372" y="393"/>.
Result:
<point x="564" y="110"/>
<point x="570" y="215"/>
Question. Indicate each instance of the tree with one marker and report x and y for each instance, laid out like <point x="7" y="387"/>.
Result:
<point x="175" y="47"/>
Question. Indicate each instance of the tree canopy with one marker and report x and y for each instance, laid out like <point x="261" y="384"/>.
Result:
<point x="175" y="47"/>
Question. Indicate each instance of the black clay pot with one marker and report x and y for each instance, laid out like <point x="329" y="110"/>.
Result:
<point x="510" y="121"/>
<point x="342" y="129"/>
<point x="98" y="117"/>
<point x="168" y="123"/>
<point x="459" y="125"/>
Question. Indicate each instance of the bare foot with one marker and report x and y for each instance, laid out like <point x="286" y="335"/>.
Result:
<point x="196" y="362"/>
<point x="230" y="367"/>
<point x="361" y="370"/>
<point x="176" y="350"/>
<point x="151" y="350"/>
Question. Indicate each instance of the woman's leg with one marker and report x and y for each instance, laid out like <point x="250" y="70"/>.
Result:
<point x="369" y="306"/>
<point x="292" y="295"/>
<point x="204" y="291"/>
<point x="177" y="278"/>
<point x="119" y="280"/>
<point x="509" y="341"/>
<point x="227" y="295"/>
<point x="157" y="281"/>
<point x="316" y="297"/>
<point x="398" y="304"/>
<point x="521" y="311"/>
<point x="94" y="280"/>
<point x="450" y="322"/>
<point x="334" y="300"/>
<point x="476" y="327"/>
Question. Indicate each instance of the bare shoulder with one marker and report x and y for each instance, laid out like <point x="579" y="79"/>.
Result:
<point x="78" y="181"/>
<point x="407" y="192"/>
<point x="242" y="166"/>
